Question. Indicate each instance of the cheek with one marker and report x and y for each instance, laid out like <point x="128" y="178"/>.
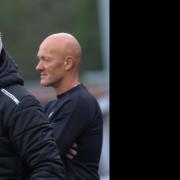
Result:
<point x="56" y="71"/>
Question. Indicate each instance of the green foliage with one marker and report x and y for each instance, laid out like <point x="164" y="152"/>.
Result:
<point x="24" y="24"/>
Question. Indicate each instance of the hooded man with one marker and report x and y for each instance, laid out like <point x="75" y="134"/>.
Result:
<point x="27" y="148"/>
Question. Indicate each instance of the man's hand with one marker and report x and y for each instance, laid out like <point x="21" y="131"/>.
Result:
<point x="72" y="152"/>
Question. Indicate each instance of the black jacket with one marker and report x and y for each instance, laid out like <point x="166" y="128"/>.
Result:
<point x="27" y="149"/>
<point x="76" y="117"/>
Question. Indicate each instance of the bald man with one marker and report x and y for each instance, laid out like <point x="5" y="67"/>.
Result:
<point x="75" y="114"/>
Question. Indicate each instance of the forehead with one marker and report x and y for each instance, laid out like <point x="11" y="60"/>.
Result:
<point x="51" y="47"/>
<point x="46" y="51"/>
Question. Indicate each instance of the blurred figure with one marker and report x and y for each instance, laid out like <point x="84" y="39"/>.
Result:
<point x="27" y="148"/>
<point x="0" y="43"/>
<point x="75" y="114"/>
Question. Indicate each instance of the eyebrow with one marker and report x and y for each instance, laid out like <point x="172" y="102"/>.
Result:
<point x="43" y="56"/>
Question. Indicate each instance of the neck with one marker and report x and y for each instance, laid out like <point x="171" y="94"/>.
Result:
<point x="63" y="87"/>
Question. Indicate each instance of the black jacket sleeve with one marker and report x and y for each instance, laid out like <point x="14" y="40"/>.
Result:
<point x="31" y="135"/>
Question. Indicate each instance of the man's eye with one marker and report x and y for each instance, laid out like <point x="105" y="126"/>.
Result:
<point x="45" y="59"/>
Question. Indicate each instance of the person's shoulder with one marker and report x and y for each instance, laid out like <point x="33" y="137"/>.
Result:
<point x="13" y="93"/>
<point x="78" y="97"/>
<point x="85" y="97"/>
<point x="16" y="99"/>
<point x="89" y="106"/>
<point x="21" y="96"/>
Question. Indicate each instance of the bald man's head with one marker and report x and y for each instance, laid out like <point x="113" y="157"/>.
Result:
<point x="63" y="43"/>
<point x="59" y="61"/>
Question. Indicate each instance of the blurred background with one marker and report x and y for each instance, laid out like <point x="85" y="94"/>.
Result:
<point x="24" y="24"/>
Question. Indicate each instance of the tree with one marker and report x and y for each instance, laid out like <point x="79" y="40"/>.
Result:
<point x="24" y="24"/>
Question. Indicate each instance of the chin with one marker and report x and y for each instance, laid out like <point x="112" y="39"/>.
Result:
<point x="44" y="84"/>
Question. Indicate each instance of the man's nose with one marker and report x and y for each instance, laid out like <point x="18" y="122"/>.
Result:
<point x="39" y="66"/>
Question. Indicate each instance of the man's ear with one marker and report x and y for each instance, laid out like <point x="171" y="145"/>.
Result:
<point x="68" y="62"/>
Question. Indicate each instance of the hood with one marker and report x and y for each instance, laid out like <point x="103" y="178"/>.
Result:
<point x="9" y="71"/>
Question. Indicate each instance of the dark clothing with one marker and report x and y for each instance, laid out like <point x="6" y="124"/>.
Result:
<point x="76" y="117"/>
<point x="27" y="148"/>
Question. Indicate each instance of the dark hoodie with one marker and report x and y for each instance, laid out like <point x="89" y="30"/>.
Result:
<point x="9" y="72"/>
<point x="27" y="149"/>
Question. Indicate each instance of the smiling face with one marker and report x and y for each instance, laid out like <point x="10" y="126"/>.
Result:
<point x="50" y="65"/>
